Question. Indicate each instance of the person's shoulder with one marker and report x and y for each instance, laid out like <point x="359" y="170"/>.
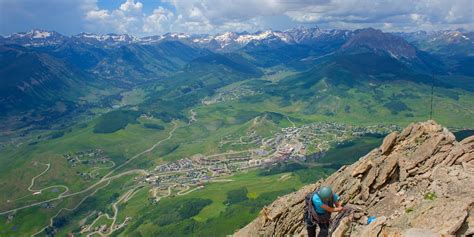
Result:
<point x="335" y="197"/>
<point x="316" y="198"/>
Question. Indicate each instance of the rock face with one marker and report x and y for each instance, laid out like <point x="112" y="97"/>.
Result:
<point x="418" y="183"/>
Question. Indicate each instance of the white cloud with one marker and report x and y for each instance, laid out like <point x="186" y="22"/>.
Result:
<point x="158" y="21"/>
<point x="131" y="6"/>
<point x="397" y="14"/>
<point x="128" y="18"/>
<point x="212" y="16"/>
<point x="100" y="15"/>
<point x="219" y="15"/>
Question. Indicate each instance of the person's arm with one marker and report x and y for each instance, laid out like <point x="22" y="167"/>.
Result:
<point x="331" y="209"/>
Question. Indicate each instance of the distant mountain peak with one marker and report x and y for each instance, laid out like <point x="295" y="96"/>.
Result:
<point x="375" y="39"/>
<point x="176" y="35"/>
<point x="36" y="34"/>
<point x="454" y="37"/>
<point x="302" y="28"/>
<point x="41" y="34"/>
<point x="108" y="38"/>
<point x="36" y="37"/>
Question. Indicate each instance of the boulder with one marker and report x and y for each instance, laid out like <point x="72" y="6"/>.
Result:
<point x="388" y="142"/>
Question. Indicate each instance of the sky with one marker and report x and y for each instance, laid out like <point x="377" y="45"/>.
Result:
<point x="155" y="17"/>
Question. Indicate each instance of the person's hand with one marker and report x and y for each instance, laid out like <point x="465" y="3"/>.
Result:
<point x="338" y="208"/>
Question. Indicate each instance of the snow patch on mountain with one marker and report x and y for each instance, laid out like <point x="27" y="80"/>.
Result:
<point x="229" y="41"/>
<point x="41" y="34"/>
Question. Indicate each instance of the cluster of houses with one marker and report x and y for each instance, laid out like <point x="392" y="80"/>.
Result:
<point x="289" y="144"/>
<point x="89" y="157"/>
<point x="250" y="138"/>
<point x="228" y="95"/>
<point x="321" y="135"/>
<point x="178" y="165"/>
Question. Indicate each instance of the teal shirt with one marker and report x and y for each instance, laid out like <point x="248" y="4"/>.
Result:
<point x="317" y="203"/>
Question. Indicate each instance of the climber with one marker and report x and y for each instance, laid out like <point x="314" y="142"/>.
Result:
<point x="318" y="208"/>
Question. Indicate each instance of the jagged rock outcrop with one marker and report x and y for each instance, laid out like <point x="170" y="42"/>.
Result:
<point x="420" y="182"/>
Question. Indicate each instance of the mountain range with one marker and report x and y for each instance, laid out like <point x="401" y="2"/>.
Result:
<point x="230" y="41"/>
<point x="41" y="70"/>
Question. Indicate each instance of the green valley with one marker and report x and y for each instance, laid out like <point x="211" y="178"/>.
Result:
<point x="175" y="138"/>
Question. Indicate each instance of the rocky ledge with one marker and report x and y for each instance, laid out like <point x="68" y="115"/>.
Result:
<point x="419" y="182"/>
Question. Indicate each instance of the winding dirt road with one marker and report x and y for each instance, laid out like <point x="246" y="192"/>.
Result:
<point x="106" y="178"/>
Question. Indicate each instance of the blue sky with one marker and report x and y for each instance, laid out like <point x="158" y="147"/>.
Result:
<point x="152" y="17"/>
<point x="148" y="5"/>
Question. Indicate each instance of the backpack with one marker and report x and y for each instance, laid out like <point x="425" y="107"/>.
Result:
<point x="310" y="216"/>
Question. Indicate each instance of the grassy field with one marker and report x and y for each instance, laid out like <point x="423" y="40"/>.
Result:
<point x="17" y="173"/>
<point x="216" y="218"/>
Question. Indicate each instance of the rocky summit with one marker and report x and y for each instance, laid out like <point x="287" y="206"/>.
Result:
<point x="419" y="182"/>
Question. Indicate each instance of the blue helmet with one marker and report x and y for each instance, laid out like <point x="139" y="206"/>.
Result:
<point x="325" y="192"/>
